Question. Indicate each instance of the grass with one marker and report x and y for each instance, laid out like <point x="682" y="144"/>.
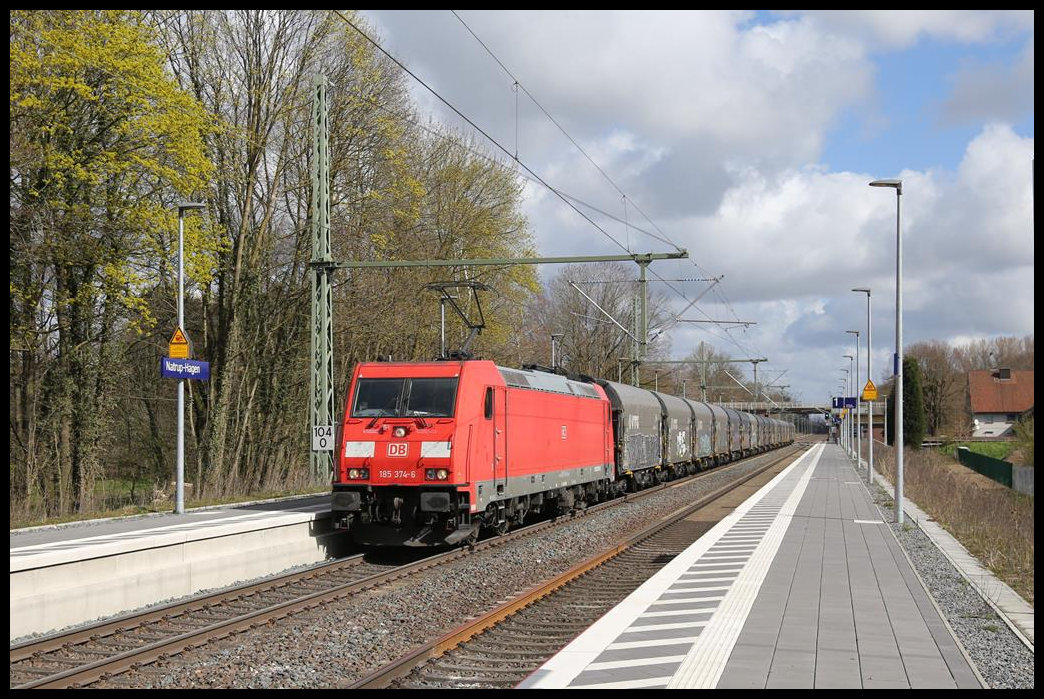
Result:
<point x="994" y="523"/>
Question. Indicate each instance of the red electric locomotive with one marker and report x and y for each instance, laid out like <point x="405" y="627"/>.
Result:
<point x="431" y="453"/>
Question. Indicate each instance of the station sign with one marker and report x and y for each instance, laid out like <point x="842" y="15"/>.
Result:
<point x="844" y="402"/>
<point x="174" y="368"/>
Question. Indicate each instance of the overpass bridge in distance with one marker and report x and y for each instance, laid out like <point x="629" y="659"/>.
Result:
<point x="770" y="408"/>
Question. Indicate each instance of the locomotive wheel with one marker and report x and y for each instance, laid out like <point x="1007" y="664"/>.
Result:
<point x="493" y="521"/>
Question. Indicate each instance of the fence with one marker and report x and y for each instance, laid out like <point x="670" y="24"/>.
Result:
<point x="995" y="469"/>
<point x="1022" y="479"/>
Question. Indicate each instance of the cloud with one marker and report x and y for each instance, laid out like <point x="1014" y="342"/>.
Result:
<point x="697" y="86"/>
<point x="980" y="218"/>
<point x="715" y="125"/>
<point x="793" y="246"/>
<point x="894" y="29"/>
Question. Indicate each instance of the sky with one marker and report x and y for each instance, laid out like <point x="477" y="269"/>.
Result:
<point x="748" y="139"/>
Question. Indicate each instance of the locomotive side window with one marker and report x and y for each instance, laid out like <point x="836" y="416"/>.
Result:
<point x="431" y="397"/>
<point x="487" y="409"/>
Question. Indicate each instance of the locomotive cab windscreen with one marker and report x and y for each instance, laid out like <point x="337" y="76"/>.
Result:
<point x="405" y="397"/>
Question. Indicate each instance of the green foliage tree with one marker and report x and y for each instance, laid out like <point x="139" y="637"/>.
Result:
<point x="913" y="406"/>
<point x="460" y="204"/>
<point x="913" y="403"/>
<point x="103" y="143"/>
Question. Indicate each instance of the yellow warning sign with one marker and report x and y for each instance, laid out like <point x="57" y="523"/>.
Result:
<point x="179" y="346"/>
<point x="869" y="391"/>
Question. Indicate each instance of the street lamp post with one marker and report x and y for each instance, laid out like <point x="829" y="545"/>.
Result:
<point x="179" y="501"/>
<point x="853" y="386"/>
<point x="897" y="185"/>
<point x="859" y="409"/>
<point x="844" y="408"/>
<point x="841" y="421"/>
<point x="870" y="404"/>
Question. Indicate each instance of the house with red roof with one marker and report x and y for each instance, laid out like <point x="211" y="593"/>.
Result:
<point x="999" y="398"/>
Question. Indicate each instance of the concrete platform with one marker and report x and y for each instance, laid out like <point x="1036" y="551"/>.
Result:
<point x="803" y="586"/>
<point x="67" y="575"/>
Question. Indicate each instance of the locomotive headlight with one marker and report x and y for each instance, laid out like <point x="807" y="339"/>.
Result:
<point x="357" y="474"/>
<point x="436" y="474"/>
<point x="399" y="431"/>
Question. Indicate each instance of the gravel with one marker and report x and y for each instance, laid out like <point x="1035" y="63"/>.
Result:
<point x="1003" y="660"/>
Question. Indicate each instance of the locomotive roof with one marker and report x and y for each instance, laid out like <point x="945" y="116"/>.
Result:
<point x="544" y="381"/>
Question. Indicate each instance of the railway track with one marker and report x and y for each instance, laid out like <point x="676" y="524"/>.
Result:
<point x="105" y="651"/>
<point x="82" y="656"/>
<point x="502" y="648"/>
<point x="508" y="652"/>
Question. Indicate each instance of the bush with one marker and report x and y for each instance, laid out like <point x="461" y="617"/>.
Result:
<point x="994" y="524"/>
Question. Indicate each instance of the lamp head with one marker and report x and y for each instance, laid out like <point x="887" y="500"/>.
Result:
<point x="897" y="185"/>
<point x="188" y="205"/>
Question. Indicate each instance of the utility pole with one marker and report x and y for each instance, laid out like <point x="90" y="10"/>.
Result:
<point x="703" y="372"/>
<point x="636" y="348"/>
<point x="321" y="266"/>
<point x="643" y="295"/>
<point x="755" y="363"/>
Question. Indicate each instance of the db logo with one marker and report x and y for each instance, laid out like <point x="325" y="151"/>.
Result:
<point x="398" y="448"/>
